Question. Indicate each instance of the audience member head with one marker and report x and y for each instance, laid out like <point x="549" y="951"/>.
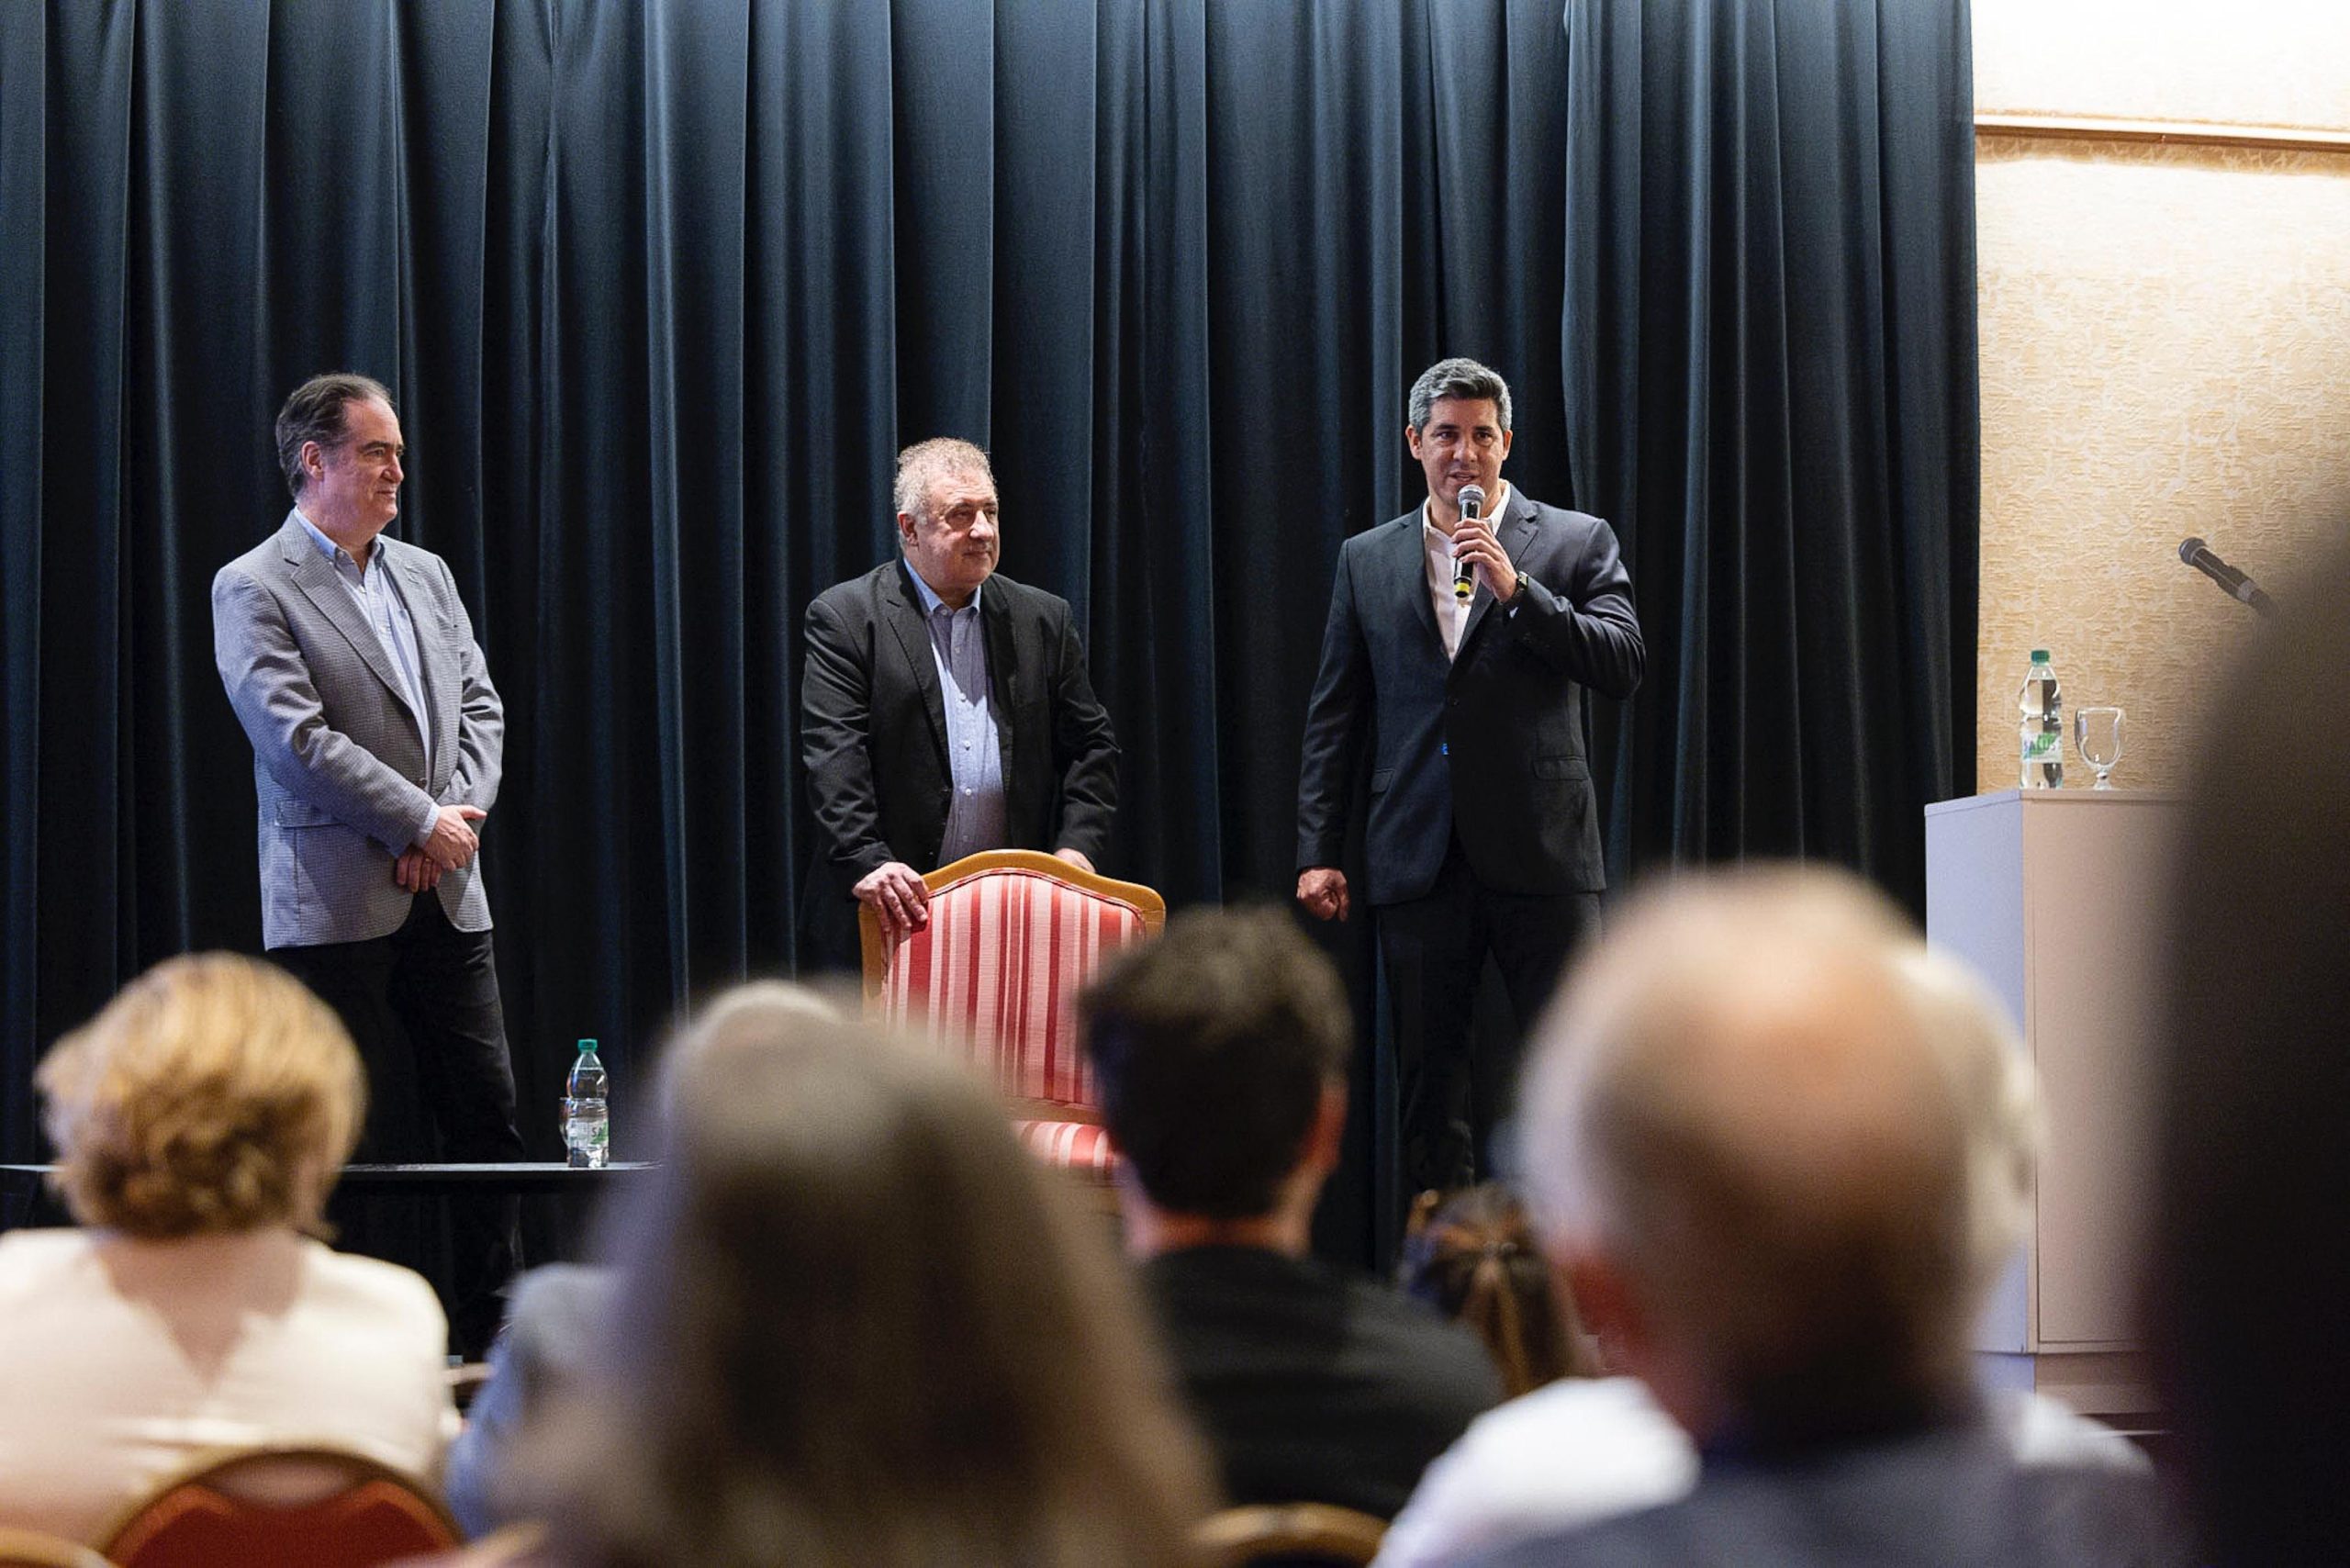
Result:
<point x="751" y="1010"/>
<point x="1473" y="1256"/>
<point x="855" y="1325"/>
<point x="2251" y="1260"/>
<point x="213" y="1093"/>
<point x="1751" y="1156"/>
<point x="1219" y="1057"/>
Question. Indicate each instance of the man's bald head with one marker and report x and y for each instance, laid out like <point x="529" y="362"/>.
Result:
<point x="1739" y="1109"/>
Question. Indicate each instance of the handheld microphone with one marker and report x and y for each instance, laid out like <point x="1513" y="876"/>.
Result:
<point x="2198" y="555"/>
<point x="1464" y="574"/>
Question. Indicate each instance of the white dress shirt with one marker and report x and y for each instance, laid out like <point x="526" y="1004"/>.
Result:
<point x="975" y="811"/>
<point x="378" y="598"/>
<point x="1451" y="614"/>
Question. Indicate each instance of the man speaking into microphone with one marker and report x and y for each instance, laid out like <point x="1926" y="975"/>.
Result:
<point x="1482" y="834"/>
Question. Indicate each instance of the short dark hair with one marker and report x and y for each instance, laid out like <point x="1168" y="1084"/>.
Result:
<point x="1211" y="1049"/>
<point x="316" y="412"/>
<point x="1456" y="378"/>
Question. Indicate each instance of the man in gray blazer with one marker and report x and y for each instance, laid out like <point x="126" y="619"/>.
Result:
<point x="376" y="740"/>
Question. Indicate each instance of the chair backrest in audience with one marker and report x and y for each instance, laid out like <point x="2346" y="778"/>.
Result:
<point x="282" y="1507"/>
<point x="1298" y="1533"/>
<point x="33" y="1548"/>
<point x="1012" y="936"/>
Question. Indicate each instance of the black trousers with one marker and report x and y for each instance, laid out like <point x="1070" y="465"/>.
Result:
<point x="422" y="1005"/>
<point x="1455" y="1076"/>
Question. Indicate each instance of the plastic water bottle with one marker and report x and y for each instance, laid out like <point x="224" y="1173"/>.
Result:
<point x="2041" y="733"/>
<point x="586" y="1115"/>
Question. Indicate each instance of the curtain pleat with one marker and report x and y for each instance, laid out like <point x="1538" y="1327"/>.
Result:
<point x="1768" y="343"/>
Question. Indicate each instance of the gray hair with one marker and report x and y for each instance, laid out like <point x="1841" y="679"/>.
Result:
<point x="755" y="1010"/>
<point x="922" y="465"/>
<point x="1749" y="1098"/>
<point x="1457" y="379"/>
<point x="315" y="411"/>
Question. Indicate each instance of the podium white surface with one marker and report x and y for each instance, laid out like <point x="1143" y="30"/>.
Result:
<point x="2054" y="898"/>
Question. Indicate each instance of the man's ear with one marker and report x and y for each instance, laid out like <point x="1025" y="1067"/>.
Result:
<point x="1324" y="1137"/>
<point x="1605" y="1300"/>
<point x="905" y="528"/>
<point x="1412" y="440"/>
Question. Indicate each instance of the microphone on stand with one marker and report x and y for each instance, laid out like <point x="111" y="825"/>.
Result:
<point x="1464" y="573"/>
<point x="2198" y="555"/>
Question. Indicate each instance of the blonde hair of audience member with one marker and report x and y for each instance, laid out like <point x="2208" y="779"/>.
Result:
<point x="214" y="1094"/>
<point x="1473" y="1256"/>
<point x="857" y="1325"/>
<point x="1751" y="1158"/>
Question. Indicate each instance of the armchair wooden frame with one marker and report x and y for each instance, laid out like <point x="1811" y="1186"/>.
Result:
<point x="1146" y="908"/>
<point x="1289" y="1532"/>
<point x="875" y="946"/>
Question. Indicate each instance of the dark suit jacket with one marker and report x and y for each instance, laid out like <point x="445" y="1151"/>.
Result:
<point x="1490" y="746"/>
<point x="873" y="735"/>
<point x="1315" y="1385"/>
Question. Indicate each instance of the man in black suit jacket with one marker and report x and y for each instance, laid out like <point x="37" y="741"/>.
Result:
<point x="1483" y="830"/>
<point x="944" y="709"/>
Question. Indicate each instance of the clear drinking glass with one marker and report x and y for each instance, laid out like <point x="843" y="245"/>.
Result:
<point x="2097" y="735"/>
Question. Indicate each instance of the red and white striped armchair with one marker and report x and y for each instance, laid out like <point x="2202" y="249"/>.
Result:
<point x="1012" y="936"/>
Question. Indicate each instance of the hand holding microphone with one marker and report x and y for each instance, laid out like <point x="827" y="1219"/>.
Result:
<point x="1475" y="549"/>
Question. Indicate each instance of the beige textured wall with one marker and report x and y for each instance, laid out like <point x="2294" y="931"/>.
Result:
<point x="2165" y="351"/>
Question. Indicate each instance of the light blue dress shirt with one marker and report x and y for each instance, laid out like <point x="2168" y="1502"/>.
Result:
<point x="975" y="813"/>
<point x="378" y="599"/>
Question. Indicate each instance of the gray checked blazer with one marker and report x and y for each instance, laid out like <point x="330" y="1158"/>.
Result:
<point x="336" y="764"/>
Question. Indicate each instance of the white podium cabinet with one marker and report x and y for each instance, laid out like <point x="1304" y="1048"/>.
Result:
<point x="2054" y="897"/>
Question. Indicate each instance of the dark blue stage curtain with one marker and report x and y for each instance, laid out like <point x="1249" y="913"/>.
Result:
<point x="1771" y="388"/>
<point x="661" y="288"/>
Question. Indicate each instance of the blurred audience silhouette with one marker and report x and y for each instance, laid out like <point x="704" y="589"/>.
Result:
<point x="199" y="1121"/>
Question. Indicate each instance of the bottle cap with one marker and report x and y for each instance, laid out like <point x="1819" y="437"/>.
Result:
<point x="2039" y="656"/>
<point x="586" y="1046"/>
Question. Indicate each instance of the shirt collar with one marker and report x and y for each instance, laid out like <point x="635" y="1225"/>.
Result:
<point x="327" y="547"/>
<point x="335" y="553"/>
<point x="930" y="600"/>
<point x="1427" y="511"/>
